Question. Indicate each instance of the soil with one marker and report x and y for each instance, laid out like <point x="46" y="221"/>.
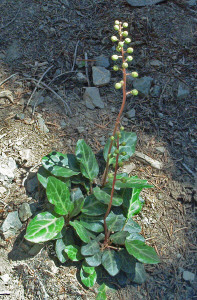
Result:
<point x="36" y="35"/>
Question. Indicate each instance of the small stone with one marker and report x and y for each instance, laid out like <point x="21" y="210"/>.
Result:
<point x="7" y="168"/>
<point x="143" y="2"/>
<point x="42" y="126"/>
<point x="130" y="113"/>
<point x="11" y="225"/>
<point x="81" y="129"/>
<point x="81" y="78"/>
<point x="5" y="278"/>
<point x="128" y="168"/>
<point x="156" y="63"/>
<point x="161" y="149"/>
<point x="32" y="184"/>
<point x="20" y="116"/>
<point x="102" y="140"/>
<point x="156" y="91"/>
<point x="24" y="212"/>
<point x="183" y="92"/>
<point x="170" y="124"/>
<point x="102" y="61"/>
<point x="63" y="124"/>
<point x="188" y="276"/>
<point x="92" y="98"/>
<point x="2" y="190"/>
<point x="35" y="249"/>
<point x="101" y="76"/>
<point x="143" y="85"/>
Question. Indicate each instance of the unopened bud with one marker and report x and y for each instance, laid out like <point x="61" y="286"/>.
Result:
<point x="114" y="57"/>
<point x="117" y="22"/>
<point x="115" y="68"/>
<point x="118" y="86"/>
<point x="122" y="128"/>
<point x="129" y="58"/>
<point x="134" y="92"/>
<point x="125" y="65"/>
<point x="127" y="40"/>
<point x="125" y="25"/>
<point x="125" y="33"/>
<point x="116" y="27"/>
<point x="114" y="38"/>
<point x="130" y="50"/>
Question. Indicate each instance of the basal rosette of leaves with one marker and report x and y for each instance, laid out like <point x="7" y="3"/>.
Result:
<point x="91" y="223"/>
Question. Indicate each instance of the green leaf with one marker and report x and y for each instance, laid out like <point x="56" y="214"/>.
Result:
<point x="130" y="182"/>
<point x="111" y="262"/>
<point x="88" y="164"/>
<point x="131" y="226"/>
<point x="58" y="194"/>
<point x="139" y="275"/>
<point x="93" y="207"/>
<point x="83" y="233"/>
<point x="73" y="252"/>
<point x="91" y="248"/>
<point x="102" y="292"/>
<point x="88" y="279"/>
<point x="94" y="260"/>
<point x="78" y="201"/>
<point x="115" y="222"/>
<point x="130" y="139"/>
<point x="43" y="176"/>
<point x="127" y="261"/>
<point x="88" y="269"/>
<point x="81" y="180"/>
<point x="142" y="252"/>
<point x="44" y="227"/>
<point x="63" y="165"/>
<point x="94" y="223"/>
<point x="61" y="243"/>
<point x="134" y="205"/>
<point x="119" y="237"/>
<point x="104" y="197"/>
<point x="135" y="236"/>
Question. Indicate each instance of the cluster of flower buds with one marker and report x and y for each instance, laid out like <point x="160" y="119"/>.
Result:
<point x="123" y="41"/>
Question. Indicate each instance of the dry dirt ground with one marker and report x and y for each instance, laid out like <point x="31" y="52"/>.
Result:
<point x="36" y="35"/>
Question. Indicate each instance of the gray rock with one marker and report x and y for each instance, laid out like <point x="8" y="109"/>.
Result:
<point x="5" y="278"/>
<point x="20" y="116"/>
<point x="81" y="78"/>
<point x="143" y="2"/>
<point x="92" y="98"/>
<point x="42" y="126"/>
<point x="101" y="76"/>
<point x="32" y="184"/>
<point x="81" y="129"/>
<point x="156" y="63"/>
<point x="63" y="124"/>
<point x="102" y="61"/>
<point x="13" y="52"/>
<point x="130" y="113"/>
<point x="11" y="225"/>
<point x="7" y="168"/>
<point x="183" y="91"/>
<point x="188" y="276"/>
<point x="143" y="85"/>
<point x="161" y="149"/>
<point x="24" y="212"/>
<point x="156" y="91"/>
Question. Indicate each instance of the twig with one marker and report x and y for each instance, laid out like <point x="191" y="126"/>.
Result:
<point x="6" y="25"/>
<point x="52" y="91"/>
<point x="5" y="80"/>
<point x="7" y="94"/>
<point x="39" y="81"/>
<point x="75" y="54"/>
<point x="188" y="170"/>
<point x="86" y="67"/>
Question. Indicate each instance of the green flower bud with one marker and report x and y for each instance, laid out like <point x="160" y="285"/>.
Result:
<point x="115" y="68"/>
<point x="118" y="86"/>
<point x="112" y="138"/>
<point x="117" y="22"/>
<point x="125" y="33"/>
<point x="114" y="38"/>
<point x="121" y="44"/>
<point x="125" y="65"/>
<point x="124" y="180"/>
<point x="118" y="49"/>
<point x="120" y="164"/>
<point x="114" y="57"/>
<point x="123" y="144"/>
<point x="127" y="40"/>
<point x="122" y="82"/>
<point x="119" y="134"/>
<point x="123" y="153"/>
<point x="122" y="128"/>
<point x="116" y="27"/>
<point x="110" y="175"/>
<point x="129" y="50"/>
<point x="129" y="58"/>
<point x="134" y="74"/>
<point x="125" y="25"/>
<point x="134" y="92"/>
<point x="116" y="151"/>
